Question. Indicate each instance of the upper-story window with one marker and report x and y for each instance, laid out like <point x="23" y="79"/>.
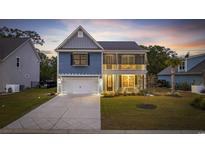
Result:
<point x="80" y="34"/>
<point x="80" y="59"/>
<point x="140" y="59"/>
<point x="17" y="62"/>
<point x="128" y="59"/>
<point x="182" y="67"/>
<point x="109" y="59"/>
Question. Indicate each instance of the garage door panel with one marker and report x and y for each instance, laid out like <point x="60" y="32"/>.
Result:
<point x="80" y="85"/>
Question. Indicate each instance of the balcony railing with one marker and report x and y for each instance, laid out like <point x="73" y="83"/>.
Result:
<point x="124" y="66"/>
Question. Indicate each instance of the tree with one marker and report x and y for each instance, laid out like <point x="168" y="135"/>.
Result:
<point x="173" y="62"/>
<point x="157" y="57"/>
<point x="6" y="32"/>
<point x="48" y="67"/>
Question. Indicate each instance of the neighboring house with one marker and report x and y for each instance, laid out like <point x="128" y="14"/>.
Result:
<point x="89" y="66"/>
<point x="191" y="71"/>
<point x="19" y="62"/>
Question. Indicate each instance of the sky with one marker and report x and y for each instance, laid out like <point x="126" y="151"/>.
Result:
<point x="181" y="36"/>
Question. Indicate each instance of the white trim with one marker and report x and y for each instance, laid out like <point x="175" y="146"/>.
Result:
<point x="117" y="50"/>
<point x="79" y="75"/>
<point x="58" y="84"/>
<point x="73" y="33"/>
<point x="140" y="72"/>
<point x="123" y="52"/>
<point x="77" y="50"/>
<point x="34" y="49"/>
<point x="185" y="65"/>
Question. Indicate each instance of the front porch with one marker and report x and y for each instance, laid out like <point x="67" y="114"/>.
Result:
<point x="124" y="83"/>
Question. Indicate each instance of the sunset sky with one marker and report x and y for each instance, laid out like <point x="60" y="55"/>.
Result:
<point x="179" y="35"/>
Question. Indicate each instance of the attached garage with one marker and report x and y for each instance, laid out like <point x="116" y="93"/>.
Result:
<point x="80" y="85"/>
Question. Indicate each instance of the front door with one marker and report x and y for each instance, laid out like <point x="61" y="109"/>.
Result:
<point x="128" y="81"/>
<point x="109" y="83"/>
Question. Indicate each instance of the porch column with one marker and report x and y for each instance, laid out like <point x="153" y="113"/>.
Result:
<point x="117" y="82"/>
<point x="145" y="81"/>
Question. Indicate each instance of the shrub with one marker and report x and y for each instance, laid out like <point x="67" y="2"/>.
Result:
<point x="199" y="102"/>
<point x="176" y="94"/>
<point x="143" y="92"/>
<point x="163" y="83"/>
<point x="183" y="86"/>
<point x="108" y="94"/>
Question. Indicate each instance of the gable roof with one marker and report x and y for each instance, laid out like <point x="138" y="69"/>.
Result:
<point x="73" y="33"/>
<point x="120" y="45"/>
<point x="198" y="69"/>
<point x="8" y="45"/>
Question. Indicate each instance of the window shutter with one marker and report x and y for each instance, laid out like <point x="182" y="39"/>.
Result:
<point x="88" y="59"/>
<point x="71" y="59"/>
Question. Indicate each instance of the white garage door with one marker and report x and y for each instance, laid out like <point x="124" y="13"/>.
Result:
<point x="80" y="85"/>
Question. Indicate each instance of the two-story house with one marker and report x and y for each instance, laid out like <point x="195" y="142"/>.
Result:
<point x="191" y="71"/>
<point x="89" y="66"/>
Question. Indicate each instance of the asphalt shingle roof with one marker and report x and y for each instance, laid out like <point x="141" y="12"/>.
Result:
<point x="8" y="45"/>
<point x="120" y="45"/>
<point x="198" y="69"/>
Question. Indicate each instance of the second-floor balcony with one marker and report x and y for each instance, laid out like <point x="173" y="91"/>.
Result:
<point x="124" y="67"/>
<point x="124" y="61"/>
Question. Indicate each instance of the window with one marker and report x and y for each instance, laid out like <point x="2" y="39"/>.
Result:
<point x="128" y="80"/>
<point x="80" y="59"/>
<point x="128" y="59"/>
<point x="80" y="34"/>
<point x="140" y="59"/>
<point x="17" y="62"/>
<point x="109" y="59"/>
<point x="182" y="66"/>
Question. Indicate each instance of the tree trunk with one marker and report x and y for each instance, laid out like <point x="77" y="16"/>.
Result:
<point x="172" y="80"/>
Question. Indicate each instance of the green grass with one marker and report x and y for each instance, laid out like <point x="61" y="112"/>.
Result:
<point x="172" y="113"/>
<point x="13" y="106"/>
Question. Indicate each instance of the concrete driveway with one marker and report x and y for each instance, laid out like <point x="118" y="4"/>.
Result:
<point x="63" y="112"/>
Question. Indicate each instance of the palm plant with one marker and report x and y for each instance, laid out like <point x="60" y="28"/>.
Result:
<point x="173" y="62"/>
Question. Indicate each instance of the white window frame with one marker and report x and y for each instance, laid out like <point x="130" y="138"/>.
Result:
<point x="80" y="34"/>
<point x="184" y="62"/>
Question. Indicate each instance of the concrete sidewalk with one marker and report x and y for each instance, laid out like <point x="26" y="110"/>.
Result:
<point x="62" y="112"/>
<point x="89" y="131"/>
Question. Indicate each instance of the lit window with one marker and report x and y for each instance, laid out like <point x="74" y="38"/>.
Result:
<point x="80" y="59"/>
<point x="17" y="62"/>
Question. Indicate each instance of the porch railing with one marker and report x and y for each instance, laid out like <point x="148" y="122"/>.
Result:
<point x="124" y="66"/>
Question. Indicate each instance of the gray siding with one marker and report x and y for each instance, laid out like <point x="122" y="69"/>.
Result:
<point x="182" y="78"/>
<point x="80" y="43"/>
<point x="29" y="66"/>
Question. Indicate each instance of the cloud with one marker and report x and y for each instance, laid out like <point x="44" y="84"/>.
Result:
<point x="179" y="35"/>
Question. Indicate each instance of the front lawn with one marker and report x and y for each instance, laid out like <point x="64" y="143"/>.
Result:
<point x="13" y="106"/>
<point x="171" y="113"/>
